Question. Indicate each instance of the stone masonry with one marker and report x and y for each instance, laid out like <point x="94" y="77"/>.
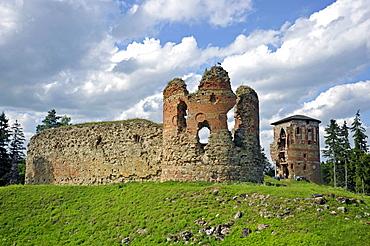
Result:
<point x="296" y="150"/>
<point x="226" y="156"/>
<point x="96" y="153"/>
<point x="140" y="150"/>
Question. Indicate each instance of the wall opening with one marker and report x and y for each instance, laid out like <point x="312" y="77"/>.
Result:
<point x="203" y="132"/>
<point x="137" y="138"/>
<point x="282" y="139"/>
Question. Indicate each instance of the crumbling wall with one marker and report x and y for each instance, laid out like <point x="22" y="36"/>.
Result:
<point x="98" y="153"/>
<point x="226" y="156"/>
<point x="295" y="150"/>
<point x="103" y="153"/>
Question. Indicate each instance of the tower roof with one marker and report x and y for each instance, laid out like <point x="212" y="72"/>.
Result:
<point x="294" y="117"/>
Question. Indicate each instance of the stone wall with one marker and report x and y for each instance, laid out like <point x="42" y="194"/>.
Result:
<point x="226" y="156"/>
<point x="139" y="150"/>
<point x="96" y="153"/>
<point x="296" y="150"/>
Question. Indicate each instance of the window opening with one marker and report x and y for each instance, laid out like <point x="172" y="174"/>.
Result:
<point x="204" y="135"/>
<point x="282" y="139"/>
<point x="203" y="132"/>
<point x="298" y="131"/>
<point x="137" y="138"/>
<point x="304" y="166"/>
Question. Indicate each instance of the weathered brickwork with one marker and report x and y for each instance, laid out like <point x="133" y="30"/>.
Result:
<point x="296" y="150"/>
<point x="93" y="154"/>
<point x="139" y="150"/>
<point x="226" y="156"/>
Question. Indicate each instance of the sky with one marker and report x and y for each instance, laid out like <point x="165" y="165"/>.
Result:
<point x="107" y="60"/>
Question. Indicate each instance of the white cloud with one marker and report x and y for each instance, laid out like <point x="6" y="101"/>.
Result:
<point x="142" y="18"/>
<point x="338" y="101"/>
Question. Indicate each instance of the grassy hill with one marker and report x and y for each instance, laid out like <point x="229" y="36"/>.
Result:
<point x="183" y="213"/>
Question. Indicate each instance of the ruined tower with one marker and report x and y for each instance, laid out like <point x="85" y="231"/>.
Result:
<point x="226" y="156"/>
<point x="296" y="150"/>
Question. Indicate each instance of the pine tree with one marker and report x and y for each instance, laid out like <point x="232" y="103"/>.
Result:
<point x="345" y="149"/>
<point x="4" y="155"/>
<point x="332" y="149"/>
<point x="53" y="121"/>
<point x="357" y="153"/>
<point x="268" y="169"/>
<point x="16" y="152"/>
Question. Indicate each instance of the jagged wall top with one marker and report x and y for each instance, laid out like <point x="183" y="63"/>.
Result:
<point x="215" y="79"/>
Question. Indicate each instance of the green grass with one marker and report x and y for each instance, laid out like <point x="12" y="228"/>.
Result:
<point x="149" y="213"/>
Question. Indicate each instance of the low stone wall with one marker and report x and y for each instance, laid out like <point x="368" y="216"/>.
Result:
<point x="96" y="153"/>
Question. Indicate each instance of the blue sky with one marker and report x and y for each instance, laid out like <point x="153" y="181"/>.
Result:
<point x="110" y="60"/>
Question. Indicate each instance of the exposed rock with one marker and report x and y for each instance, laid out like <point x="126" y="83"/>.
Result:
<point x="141" y="231"/>
<point x="286" y="211"/>
<point x="225" y="231"/>
<point x="320" y="200"/>
<point x="126" y="240"/>
<point x="319" y="210"/>
<point x="316" y="195"/>
<point x="342" y="209"/>
<point x="331" y="195"/>
<point x="246" y="232"/>
<point x="238" y="215"/>
<point x="342" y="199"/>
<point x="263" y="226"/>
<point x="200" y="222"/>
<point x="186" y="235"/>
<point x="333" y="212"/>
<point x="174" y="239"/>
<point x="358" y="216"/>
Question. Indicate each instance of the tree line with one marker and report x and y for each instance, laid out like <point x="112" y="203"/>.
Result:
<point x="12" y="139"/>
<point x="347" y="166"/>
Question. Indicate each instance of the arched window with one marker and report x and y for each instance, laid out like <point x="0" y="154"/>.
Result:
<point x="204" y="131"/>
<point x="282" y="139"/>
<point x="204" y="135"/>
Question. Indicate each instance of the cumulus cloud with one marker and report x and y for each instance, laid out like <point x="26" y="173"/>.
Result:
<point x="313" y="53"/>
<point x="142" y="18"/>
<point x="102" y="60"/>
<point x="338" y="101"/>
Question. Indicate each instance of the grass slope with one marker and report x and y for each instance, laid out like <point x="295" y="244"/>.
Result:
<point x="149" y="213"/>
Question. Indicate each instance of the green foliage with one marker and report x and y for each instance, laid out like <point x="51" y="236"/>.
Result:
<point x="122" y="122"/>
<point x="149" y="213"/>
<point x="268" y="168"/>
<point x="4" y="155"/>
<point x="16" y="152"/>
<point x="53" y="121"/>
<point x="347" y="167"/>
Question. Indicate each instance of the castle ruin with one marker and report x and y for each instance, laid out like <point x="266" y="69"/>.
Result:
<point x="295" y="150"/>
<point x="139" y="150"/>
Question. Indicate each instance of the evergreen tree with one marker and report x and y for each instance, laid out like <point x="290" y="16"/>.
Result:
<point x="332" y="150"/>
<point x="16" y="152"/>
<point x="345" y="149"/>
<point x="4" y="155"/>
<point x="268" y="169"/>
<point x="53" y="121"/>
<point x="357" y="153"/>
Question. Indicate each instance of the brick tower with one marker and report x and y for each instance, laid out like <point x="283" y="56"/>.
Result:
<point x="226" y="156"/>
<point x="296" y="150"/>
